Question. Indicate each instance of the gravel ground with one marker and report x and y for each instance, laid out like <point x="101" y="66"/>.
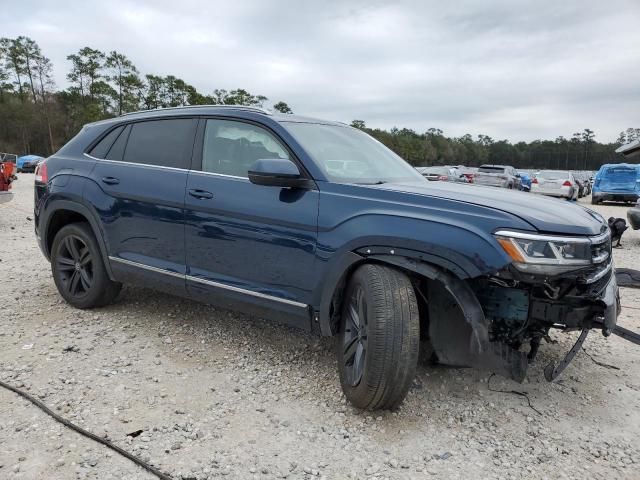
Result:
<point x="218" y="394"/>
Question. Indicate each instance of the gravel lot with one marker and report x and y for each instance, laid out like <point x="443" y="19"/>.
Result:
<point x="218" y="394"/>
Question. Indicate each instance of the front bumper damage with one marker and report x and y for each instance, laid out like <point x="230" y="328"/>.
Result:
<point x="497" y="323"/>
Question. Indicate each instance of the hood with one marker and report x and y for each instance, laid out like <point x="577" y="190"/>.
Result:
<point x="545" y="214"/>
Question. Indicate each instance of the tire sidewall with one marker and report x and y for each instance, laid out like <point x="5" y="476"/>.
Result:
<point x="358" y="280"/>
<point x="100" y="277"/>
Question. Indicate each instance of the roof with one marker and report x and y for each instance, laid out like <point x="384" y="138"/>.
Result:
<point x="239" y="111"/>
<point x="29" y="157"/>
<point x="629" y="148"/>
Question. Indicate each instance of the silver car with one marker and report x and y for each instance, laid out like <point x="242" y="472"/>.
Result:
<point x="442" y="174"/>
<point x="497" y="176"/>
<point x="555" y="184"/>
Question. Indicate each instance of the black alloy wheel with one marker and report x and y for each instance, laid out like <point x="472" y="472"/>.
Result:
<point x="354" y="343"/>
<point x="378" y="342"/>
<point x="74" y="264"/>
<point x="78" y="268"/>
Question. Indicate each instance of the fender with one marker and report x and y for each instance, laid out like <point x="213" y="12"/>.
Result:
<point x="456" y="341"/>
<point x="78" y="206"/>
<point x="391" y="250"/>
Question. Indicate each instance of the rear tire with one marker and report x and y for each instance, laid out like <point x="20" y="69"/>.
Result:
<point x="379" y="338"/>
<point x="78" y="269"/>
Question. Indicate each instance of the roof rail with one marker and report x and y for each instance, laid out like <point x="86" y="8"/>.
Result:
<point x="231" y="107"/>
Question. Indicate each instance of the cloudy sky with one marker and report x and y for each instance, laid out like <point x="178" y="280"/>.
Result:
<point x="509" y="69"/>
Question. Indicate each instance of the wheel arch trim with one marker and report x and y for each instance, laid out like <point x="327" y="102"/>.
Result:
<point x="58" y="205"/>
<point x="424" y="264"/>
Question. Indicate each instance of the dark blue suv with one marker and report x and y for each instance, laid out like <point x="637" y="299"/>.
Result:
<point x="316" y="224"/>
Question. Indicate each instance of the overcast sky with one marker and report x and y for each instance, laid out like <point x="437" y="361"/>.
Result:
<point x="508" y="69"/>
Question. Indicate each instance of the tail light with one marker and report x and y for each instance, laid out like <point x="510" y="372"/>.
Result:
<point x="535" y="180"/>
<point x="443" y="178"/>
<point x="567" y="183"/>
<point x="42" y="175"/>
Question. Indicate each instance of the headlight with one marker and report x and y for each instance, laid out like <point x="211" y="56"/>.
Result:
<point x="547" y="254"/>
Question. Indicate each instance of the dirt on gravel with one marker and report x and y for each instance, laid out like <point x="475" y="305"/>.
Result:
<point x="204" y="393"/>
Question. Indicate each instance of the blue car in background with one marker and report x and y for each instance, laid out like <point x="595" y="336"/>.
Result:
<point x="27" y="163"/>
<point x="525" y="181"/>
<point x="619" y="182"/>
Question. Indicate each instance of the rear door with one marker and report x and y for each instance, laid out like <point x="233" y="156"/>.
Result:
<point x="142" y="177"/>
<point x="248" y="244"/>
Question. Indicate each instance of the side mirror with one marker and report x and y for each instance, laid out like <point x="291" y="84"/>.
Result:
<point x="277" y="172"/>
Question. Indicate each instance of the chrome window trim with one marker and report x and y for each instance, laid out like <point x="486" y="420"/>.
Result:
<point x="208" y="282"/>
<point x="124" y="162"/>
<point x="223" y="175"/>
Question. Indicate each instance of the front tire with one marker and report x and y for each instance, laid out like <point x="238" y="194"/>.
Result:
<point x="78" y="269"/>
<point x="379" y="338"/>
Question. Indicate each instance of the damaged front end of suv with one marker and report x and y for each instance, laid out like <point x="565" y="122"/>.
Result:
<point x="498" y="321"/>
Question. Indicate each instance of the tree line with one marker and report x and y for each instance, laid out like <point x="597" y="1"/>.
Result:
<point x="433" y="147"/>
<point x="38" y="118"/>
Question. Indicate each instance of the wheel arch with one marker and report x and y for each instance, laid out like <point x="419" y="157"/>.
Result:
<point x="479" y="350"/>
<point x="413" y="263"/>
<point x="64" y="212"/>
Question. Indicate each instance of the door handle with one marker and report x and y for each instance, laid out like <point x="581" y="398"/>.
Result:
<point x="200" y="194"/>
<point x="110" y="180"/>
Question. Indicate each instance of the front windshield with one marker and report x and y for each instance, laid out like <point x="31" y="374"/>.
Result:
<point x="348" y="155"/>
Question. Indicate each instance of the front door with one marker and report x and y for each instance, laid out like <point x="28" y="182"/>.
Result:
<point x="245" y="242"/>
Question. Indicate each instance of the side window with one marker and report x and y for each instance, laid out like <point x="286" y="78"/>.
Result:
<point x="165" y="143"/>
<point x="231" y="147"/>
<point x="117" y="149"/>
<point x="103" y="146"/>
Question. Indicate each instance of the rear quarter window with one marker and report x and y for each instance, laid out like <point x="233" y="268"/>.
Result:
<point x="165" y="143"/>
<point x="102" y="147"/>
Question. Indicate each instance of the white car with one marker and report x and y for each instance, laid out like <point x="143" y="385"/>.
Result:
<point x="555" y="184"/>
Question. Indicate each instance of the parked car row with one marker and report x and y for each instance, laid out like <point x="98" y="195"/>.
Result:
<point x="613" y="182"/>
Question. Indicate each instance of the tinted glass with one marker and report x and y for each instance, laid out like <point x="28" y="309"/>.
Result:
<point x="103" y="146"/>
<point x="117" y="149"/>
<point x="166" y="143"/>
<point x="230" y="148"/>
<point x="491" y="169"/>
